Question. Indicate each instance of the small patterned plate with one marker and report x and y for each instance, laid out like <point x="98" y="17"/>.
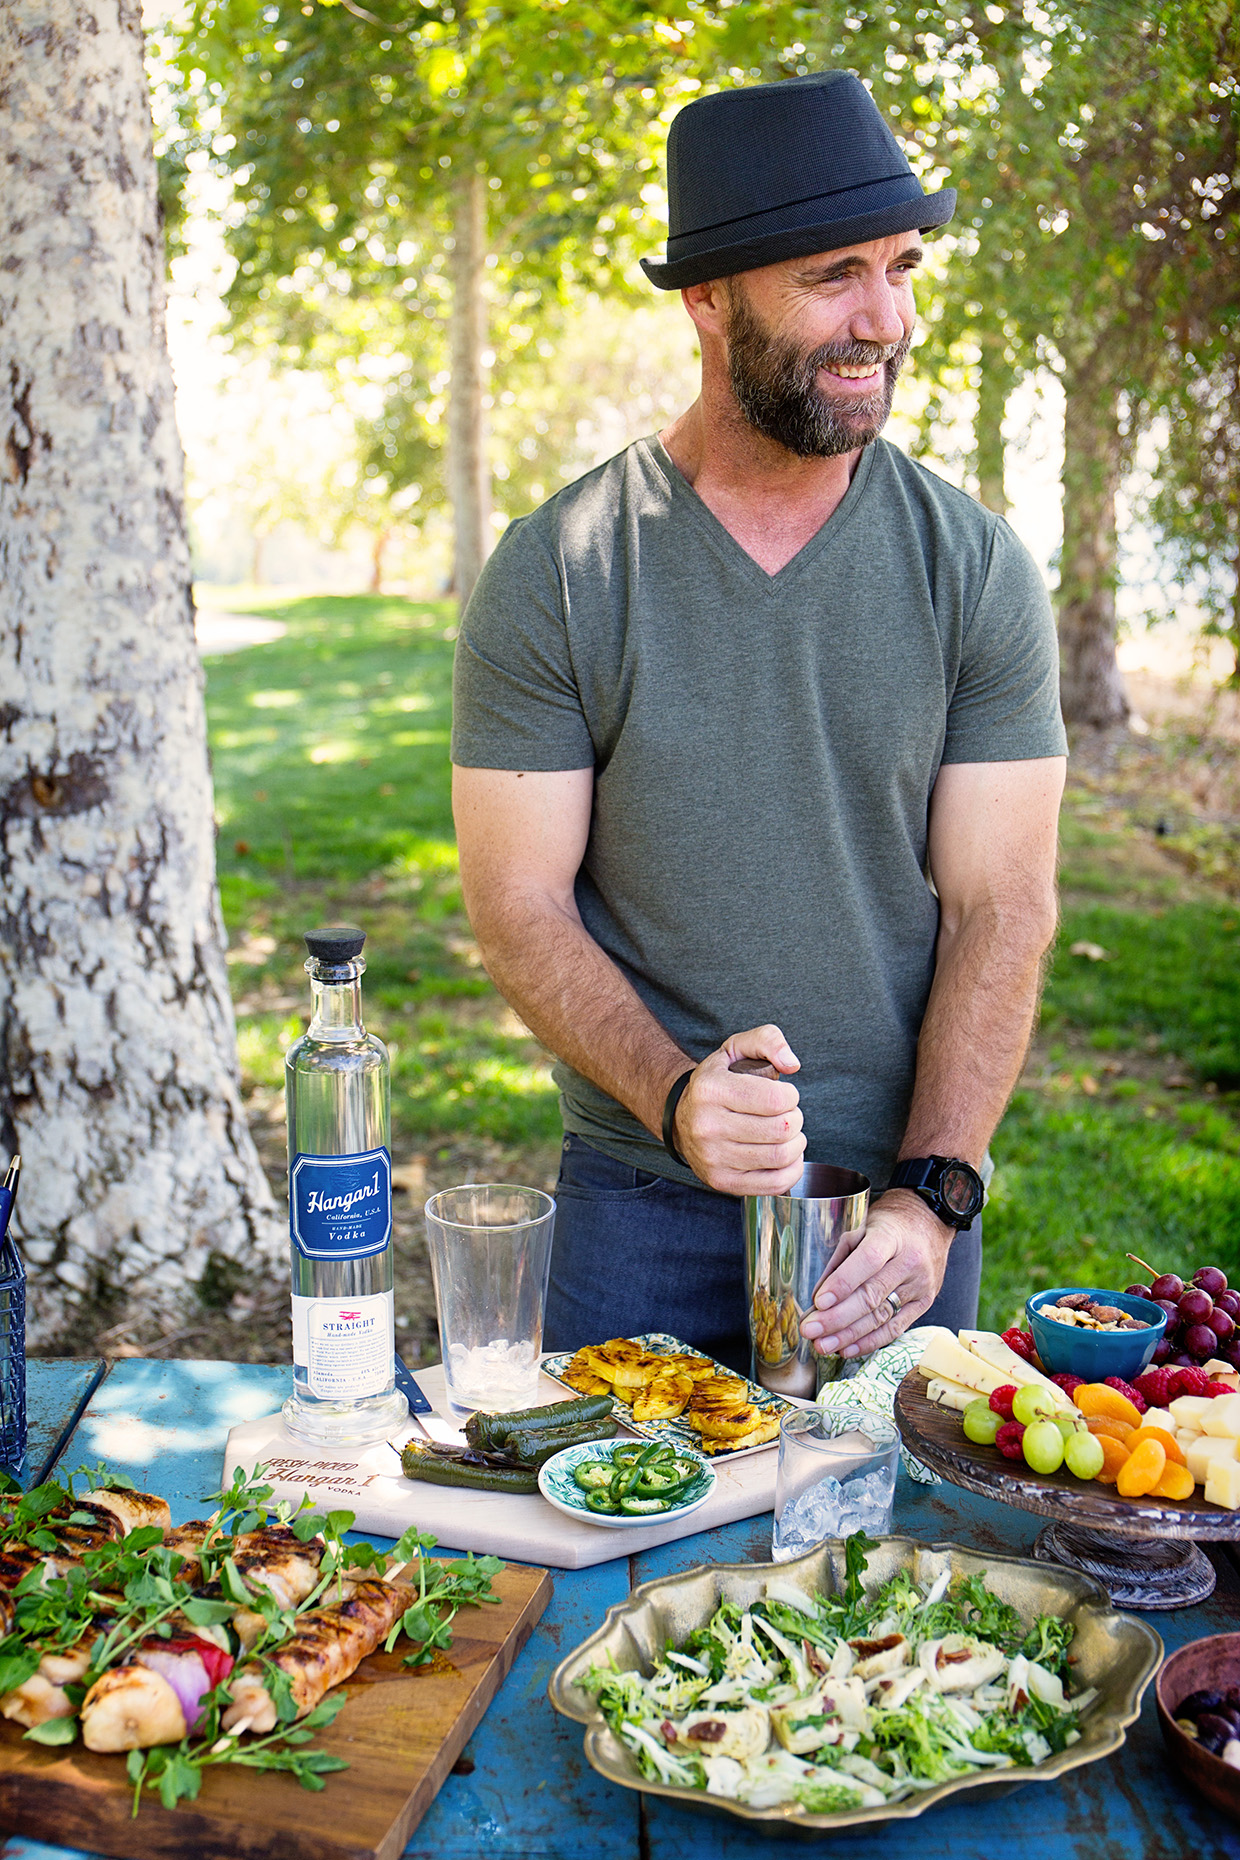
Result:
<point x="676" y="1433"/>
<point x="559" y="1488"/>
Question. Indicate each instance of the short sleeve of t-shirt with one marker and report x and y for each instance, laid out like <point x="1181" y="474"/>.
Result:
<point x="1005" y="705"/>
<point x="515" y="701"/>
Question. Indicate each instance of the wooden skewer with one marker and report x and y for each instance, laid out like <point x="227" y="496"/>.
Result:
<point x="222" y="1743"/>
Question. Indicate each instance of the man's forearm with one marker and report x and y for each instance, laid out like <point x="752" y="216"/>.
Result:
<point x="579" y="1004"/>
<point x="976" y="1029"/>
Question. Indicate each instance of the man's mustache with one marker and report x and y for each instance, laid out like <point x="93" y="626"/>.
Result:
<point x="857" y="354"/>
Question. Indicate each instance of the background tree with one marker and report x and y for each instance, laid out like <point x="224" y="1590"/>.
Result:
<point x="1096" y="162"/>
<point x="437" y="163"/>
<point x="119" y="1082"/>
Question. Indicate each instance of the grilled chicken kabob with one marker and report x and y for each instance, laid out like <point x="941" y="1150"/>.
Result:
<point x="165" y="1676"/>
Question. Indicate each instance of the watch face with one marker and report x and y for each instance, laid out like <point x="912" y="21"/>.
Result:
<point x="958" y="1190"/>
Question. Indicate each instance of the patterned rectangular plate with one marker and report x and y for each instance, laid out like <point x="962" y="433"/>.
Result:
<point x="678" y="1432"/>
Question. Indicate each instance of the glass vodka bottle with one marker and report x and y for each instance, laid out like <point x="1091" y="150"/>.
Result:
<point x="340" y="1208"/>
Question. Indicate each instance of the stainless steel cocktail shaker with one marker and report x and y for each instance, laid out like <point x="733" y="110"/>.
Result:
<point x="790" y="1243"/>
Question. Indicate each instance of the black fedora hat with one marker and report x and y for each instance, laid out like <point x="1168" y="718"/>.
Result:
<point x="776" y="171"/>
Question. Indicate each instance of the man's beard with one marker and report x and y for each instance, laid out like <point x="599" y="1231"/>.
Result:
<point x="776" y="386"/>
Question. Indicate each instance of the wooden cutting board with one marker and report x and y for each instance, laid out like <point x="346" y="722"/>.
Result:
<point x="400" y="1733"/>
<point x="368" y="1481"/>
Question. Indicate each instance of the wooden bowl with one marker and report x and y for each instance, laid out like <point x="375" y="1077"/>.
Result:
<point x="1203" y="1664"/>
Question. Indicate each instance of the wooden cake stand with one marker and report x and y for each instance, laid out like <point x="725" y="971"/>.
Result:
<point x="1142" y="1550"/>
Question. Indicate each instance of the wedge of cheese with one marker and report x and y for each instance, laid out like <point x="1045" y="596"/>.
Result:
<point x="1223" y="1484"/>
<point x="994" y="1351"/>
<point x="946" y="1358"/>
<point x="1222" y="1418"/>
<point x="950" y="1394"/>
<point x="1205" y="1452"/>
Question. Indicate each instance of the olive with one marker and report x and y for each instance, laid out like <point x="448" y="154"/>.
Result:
<point x="1213" y="1731"/>
<point x="1200" y="1701"/>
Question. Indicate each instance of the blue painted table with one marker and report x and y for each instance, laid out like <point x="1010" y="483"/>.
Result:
<point x="523" y="1790"/>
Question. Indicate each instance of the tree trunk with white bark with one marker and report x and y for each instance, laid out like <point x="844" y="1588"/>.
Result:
<point x="994" y="386"/>
<point x="118" y="1069"/>
<point x="1092" y="689"/>
<point x="469" y="474"/>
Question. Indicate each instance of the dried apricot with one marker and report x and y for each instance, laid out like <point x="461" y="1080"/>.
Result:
<point x="1115" y="1455"/>
<point x="1177" y="1483"/>
<point x="1142" y="1470"/>
<point x="1107" y="1424"/>
<point x="1096" y="1398"/>
<point x="1168" y="1442"/>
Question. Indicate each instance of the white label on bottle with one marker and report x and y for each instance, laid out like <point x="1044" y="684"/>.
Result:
<point x="347" y="1345"/>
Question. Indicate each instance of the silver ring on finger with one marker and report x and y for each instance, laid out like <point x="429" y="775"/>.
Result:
<point x="893" y="1299"/>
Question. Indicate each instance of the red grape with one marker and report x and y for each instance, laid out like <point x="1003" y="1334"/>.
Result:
<point x="1200" y="1341"/>
<point x="1220" y="1323"/>
<point x="1211" y="1280"/>
<point x="1229" y="1302"/>
<point x="1137" y="1291"/>
<point x="1229" y="1352"/>
<point x="1195" y="1306"/>
<point x="1167" y="1286"/>
<point x="1183" y="1360"/>
<point x="1162" y="1353"/>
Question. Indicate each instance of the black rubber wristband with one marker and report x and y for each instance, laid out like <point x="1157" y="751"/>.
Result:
<point x="674" y="1097"/>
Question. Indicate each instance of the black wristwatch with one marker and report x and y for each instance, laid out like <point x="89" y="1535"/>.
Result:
<point x="950" y="1188"/>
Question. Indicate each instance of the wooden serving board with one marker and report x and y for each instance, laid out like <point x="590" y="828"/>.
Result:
<point x="369" y="1482"/>
<point x="935" y="1435"/>
<point x="400" y="1732"/>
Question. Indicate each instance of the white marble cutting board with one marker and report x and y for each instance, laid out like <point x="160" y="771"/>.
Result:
<point x="369" y="1482"/>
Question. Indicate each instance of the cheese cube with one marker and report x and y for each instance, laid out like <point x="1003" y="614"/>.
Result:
<point x="1208" y="1452"/>
<point x="1222" y="1418"/>
<point x="1188" y="1409"/>
<point x="1222" y="1372"/>
<point x="1159" y="1417"/>
<point x="1223" y="1484"/>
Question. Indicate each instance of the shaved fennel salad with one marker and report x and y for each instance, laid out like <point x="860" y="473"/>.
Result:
<point x="831" y="1703"/>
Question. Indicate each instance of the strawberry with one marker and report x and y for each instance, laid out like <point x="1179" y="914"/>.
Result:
<point x="1125" y="1388"/>
<point x="1009" y="1438"/>
<point x="1001" y="1400"/>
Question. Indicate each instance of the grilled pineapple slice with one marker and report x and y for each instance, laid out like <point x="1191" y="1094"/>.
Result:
<point x="725" y="1424"/>
<point x="766" y="1429"/>
<point x="604" y="1359"/>
<point x="697" y="1368"/>
<point x="664" y="1398"/>
<point x="581" y="1377"/>
<point x="628" y="1378"/>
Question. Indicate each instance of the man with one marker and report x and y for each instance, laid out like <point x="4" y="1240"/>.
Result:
<point x="757" y="728"/>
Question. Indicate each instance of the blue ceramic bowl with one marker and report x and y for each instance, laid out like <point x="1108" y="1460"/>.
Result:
<point x="1095" y="1354"/>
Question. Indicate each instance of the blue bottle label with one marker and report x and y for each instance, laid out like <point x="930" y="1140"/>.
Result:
<point x="340" y="1207"/>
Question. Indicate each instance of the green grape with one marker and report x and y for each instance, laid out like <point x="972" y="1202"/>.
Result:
<point x="1031" y="1403"/>
<point x="1067" y="1426"/>
<point x="981" y="1423"/>
<point x="1083" y="1455"/>
<point x="1043" y="1447"/>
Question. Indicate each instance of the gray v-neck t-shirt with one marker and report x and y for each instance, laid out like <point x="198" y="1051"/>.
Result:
<point x="764" y="749"/>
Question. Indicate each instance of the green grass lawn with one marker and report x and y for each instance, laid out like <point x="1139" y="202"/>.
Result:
<point x="330" y="751"/>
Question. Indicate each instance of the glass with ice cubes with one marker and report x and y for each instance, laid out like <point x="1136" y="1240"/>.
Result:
<point x="837" y="1474"/>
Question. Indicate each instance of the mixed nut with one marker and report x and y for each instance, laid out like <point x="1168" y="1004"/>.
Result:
<point x="1080" y="1309"/>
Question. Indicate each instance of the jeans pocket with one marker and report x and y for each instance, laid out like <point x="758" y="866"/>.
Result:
<point x="587" y="1171"/>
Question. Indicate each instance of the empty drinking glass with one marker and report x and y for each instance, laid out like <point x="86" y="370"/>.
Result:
<point x="836" y="1475"/>
<point x="490" y="1248"/>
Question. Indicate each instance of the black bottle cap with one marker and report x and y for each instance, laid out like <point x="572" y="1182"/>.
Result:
<point x="335" y="943"/>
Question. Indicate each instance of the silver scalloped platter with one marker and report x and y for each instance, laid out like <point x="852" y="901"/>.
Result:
<point x="1115" y="1652"/>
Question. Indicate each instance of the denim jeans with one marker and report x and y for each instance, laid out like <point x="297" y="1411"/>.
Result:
<point x="635" y="1252"/>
